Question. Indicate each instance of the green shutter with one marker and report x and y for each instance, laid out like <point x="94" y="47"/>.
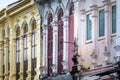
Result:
<point x="101" y="23"/>
<point x="114" y="19"/>
<point x="89" y="27"/>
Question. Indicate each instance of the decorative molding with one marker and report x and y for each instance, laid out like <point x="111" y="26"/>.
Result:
<point x="98" y="70"/>
<point x="83" y="11"/>
<point x="106" y="2"/>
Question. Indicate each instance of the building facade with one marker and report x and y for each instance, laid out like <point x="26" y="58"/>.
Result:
<point x="97" y="39"/>
<point x="58" y="20"/>
<point x="20" y="41"/>
<point x="38" y="39"/>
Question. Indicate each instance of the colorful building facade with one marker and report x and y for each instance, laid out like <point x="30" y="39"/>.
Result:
<point x="37" y="39"/>
<point x="20" y="41"/>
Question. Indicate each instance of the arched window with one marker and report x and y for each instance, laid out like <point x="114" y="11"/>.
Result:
<point x="60" y="40"/>
<point x="4" y="58"/>
<point x="34" y="45"/>
<point x="25" y="27"/>
<point x="71" y="36"/>
<point x="50" y="43"/>
<point x="17" y="52"/>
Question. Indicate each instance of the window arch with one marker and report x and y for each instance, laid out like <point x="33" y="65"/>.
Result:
<point x="60" y="40"/>
<point x="34" y="46"/>
<point x="71" y="8"/>
<point x="34" y="26"/>
<point x="25" y="28"/>
<point x="18" y="31"/>
<point x="50" y="43"/>
<point x="17" y="52"/>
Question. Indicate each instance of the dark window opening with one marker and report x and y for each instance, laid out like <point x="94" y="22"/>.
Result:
<point x="60" y="41"/>
<point x="50" y="44"/>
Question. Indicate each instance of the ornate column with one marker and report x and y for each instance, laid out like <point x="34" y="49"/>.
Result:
<point x="82" y="37"/>
<point x="44" y="49"/>
<point x="81" y="28"/>
<point x="13" y="56"/>
<point x="76" y="17"/>
<point x="29" y="71"/>
<point x="38" y="50"/>
<point x="6" y="55"/>
<point x="117" y="46"/>
<point x="107" y="30"/>
<point x="65" y="44"/>
<point x="22" y="58"/>
<point x="1" y="60"/>
<point x="55" y="47"/>
<point x="94" y="32"/>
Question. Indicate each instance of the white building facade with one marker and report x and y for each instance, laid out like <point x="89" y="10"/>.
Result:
<point x="98" y="39"/>
<point x="58" y="33"/>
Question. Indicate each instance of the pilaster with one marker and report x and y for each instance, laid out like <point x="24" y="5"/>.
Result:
<point x="38" y="52"/>
<point x="76" y="17"/>
<point x="1" y="60"/>
<point x="65" y="44"/>
<point x="29" y="71"/>
<point x="107" y="30"/>
<point x="94" y="32"/>
<point x="44" y="49"/>
<point x="13" y="56"/>
<point x="55" y="47"/>
<point x="82" y="37"/>
<point x="6" y="55"/>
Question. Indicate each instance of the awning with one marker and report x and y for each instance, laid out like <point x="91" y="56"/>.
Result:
<point x="63" y="77"/>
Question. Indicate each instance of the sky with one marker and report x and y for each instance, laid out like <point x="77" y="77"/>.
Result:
<point x="4" y="3"/>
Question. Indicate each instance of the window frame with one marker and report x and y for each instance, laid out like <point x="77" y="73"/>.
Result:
<point x="99" y="23"/>
<point x="88" y="40"/>
<point x="112" y="19"/>
<point x="18" y="50"/>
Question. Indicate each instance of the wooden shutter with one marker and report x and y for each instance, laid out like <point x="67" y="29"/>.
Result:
<point x="71" y="37"/>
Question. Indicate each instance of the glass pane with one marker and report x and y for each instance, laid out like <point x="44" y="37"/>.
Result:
<point x="114" y="19"/>
<point x="35" y="52"/>
<point x="33" y="39"/>
<point x="101" y="23"/>
<point x="4" y="58"/>
<point x="18" y="56"/>
<point x="25" y="47"/>
<point x="25" y="55"/>
<point x="89" y="27"/>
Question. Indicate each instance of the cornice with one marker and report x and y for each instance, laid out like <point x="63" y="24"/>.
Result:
<point x="2" y="13"/>
<point x="19" y="7"/>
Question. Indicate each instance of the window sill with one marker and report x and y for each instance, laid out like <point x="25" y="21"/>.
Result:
<point x="88" y="41"/>
<point x="113" y="35"/>
<point x="101" y="38"/>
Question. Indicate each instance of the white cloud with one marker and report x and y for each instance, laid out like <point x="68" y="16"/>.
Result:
<point x="5" y="3"/>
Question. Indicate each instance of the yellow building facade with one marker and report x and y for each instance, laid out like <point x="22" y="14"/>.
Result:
<point x="20" y="41"/>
